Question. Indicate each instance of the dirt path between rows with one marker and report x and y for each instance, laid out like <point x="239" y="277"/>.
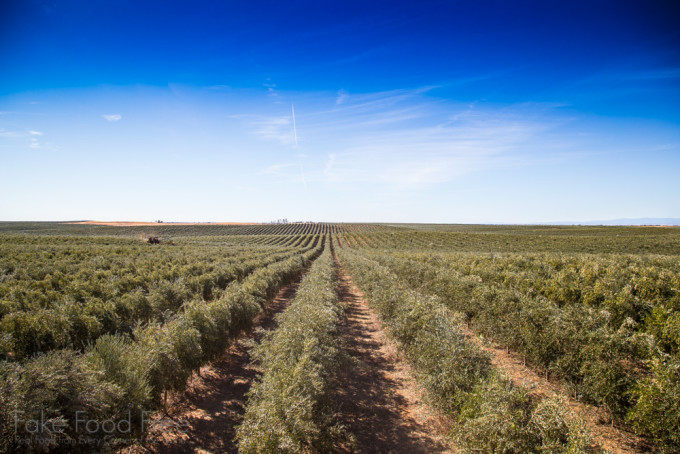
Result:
<point x="347" y="241"/>
<point x="604" y="435"/>
<point x="214" y="402"/>
<point x="378" y="399"/>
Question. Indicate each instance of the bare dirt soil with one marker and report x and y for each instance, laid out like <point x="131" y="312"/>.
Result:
<point x="379" y="401"/>
<point x="604" y="434"/>
<point x="204" y="418"/>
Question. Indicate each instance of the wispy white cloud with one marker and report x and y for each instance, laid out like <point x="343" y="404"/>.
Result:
<point x="278" y="169"/>
<point x="292" y="108"/>
<point x="374" y="102"/>
<point x="20" y="134"/>
<point x="271" y="89"/>
<point x="342" y="97"/>
<point x="112" y="117"/>
<point x="279" y="129"/>
<point x="623" y="80"/>
<point x="409" y="139"/>
<point x="666" y="73"/>
<point x="404" y="139"/>
<point x="218" y="87"/>
<point x="26" y="137"/>
<point x="12" y="134"/>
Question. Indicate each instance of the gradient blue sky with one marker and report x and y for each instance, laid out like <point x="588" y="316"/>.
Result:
<point x="451" y="111"/>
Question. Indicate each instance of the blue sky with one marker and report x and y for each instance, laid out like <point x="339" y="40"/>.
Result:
<point x="452" y="111"/>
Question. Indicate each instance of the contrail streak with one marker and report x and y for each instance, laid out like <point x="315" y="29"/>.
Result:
<point x="302" y="170"/>
<point x="294" y="128"/>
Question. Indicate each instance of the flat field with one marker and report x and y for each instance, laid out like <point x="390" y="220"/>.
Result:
<point x="338" y="338"/>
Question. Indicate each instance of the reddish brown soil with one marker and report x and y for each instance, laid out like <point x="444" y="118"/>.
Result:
<point x="137" y="224"/>
<point x="604" y="435"/>
<point x="379" y="401"/>
<point x="363" y="241"/>
<point x="214" y="402"/>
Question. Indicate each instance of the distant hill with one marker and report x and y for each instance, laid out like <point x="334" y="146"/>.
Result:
<point x="633" y="221"/>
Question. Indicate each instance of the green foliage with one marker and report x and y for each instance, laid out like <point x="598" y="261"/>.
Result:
<point x="119" y="362"/>
<point x="55" y="388"/>
<point x="449" y="366"/>
<point x="124" y="321"/>
<point x="211" y="321"/>
<point x="172" y="353"/>
<point x="523" y="303"/>
<point x="290" y="409"/>
<point x="492" y="414"/>
<point x="656" y="412"/>
<point x="501" y="418"/>
<point x="115" y="376"/>
<point x="41" y="309"/>
<point x="664" y="325"/>
<point x="41" y="330"/>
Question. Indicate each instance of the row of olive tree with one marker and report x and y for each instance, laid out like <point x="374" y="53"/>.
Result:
<point x="614" y="365"/>
<point x="490" y="414"/>
<point x="81" y="396"/>
<point x="76" y="302"/>
<point x="290" y="409"/>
